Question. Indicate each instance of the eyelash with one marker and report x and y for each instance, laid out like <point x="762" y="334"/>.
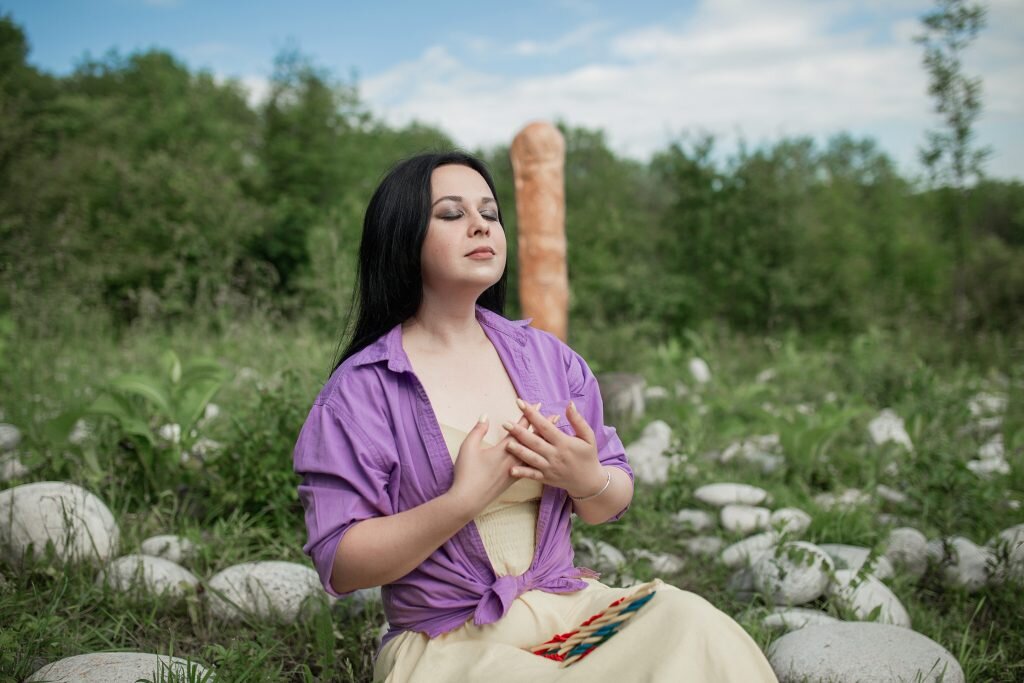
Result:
<point x="456" y="216"/>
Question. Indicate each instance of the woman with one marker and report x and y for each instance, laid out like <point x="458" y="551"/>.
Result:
<point x="444" y="458"/>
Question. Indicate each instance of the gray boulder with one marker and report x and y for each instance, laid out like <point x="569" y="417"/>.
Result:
<point x="725" y="493"/>
<point x="170" y="547"/>
<point x="907" y="548"/>
<point x="150" y="574"/>
<point x="864" y="595"/>
<point x="793" y="574"/>
<point x="119" y="667"/>
<point x="267" y="589"/>
<point x="623" y="394"/>
<point x="78" y="524"/>
<point x="861" y="652"/>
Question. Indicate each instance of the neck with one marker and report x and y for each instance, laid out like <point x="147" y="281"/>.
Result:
<point x="444" y="324"/>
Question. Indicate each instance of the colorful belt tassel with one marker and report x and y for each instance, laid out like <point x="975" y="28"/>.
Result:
<point x="569" y="648"/>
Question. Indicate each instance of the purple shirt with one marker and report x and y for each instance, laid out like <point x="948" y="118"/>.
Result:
<point x="372" y="446"/>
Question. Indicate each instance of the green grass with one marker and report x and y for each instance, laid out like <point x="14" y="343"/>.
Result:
<point x="242" y="505"/>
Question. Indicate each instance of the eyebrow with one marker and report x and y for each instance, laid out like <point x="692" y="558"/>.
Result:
<point x="457" y="198"/>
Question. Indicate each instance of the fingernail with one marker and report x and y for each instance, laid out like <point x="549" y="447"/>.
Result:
<point x="521" y="403"/>
<point x="482" y="418"/>
<point x="507" y="426"/>
<point x="572" y="406"/>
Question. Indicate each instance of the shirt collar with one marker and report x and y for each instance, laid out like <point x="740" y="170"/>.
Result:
<point x="389" y="345"/>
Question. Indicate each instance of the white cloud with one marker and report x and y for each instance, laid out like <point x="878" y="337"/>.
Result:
<point x="763" y="70"/>
<point x="578" y="36"/>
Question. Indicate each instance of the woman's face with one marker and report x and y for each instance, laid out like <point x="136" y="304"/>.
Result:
<point x="463" y="218"/>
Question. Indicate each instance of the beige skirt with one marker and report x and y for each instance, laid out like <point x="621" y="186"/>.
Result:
<point x="676" y="636"/>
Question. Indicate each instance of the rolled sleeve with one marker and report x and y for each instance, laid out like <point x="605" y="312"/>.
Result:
<point x="586" y="394"/>
<point x="344" y="481"/>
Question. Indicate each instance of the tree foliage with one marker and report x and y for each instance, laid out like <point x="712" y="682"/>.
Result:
<point x="138" y="190"/>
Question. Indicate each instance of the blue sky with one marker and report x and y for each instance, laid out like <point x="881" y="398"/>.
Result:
<point x="645" y="72"/>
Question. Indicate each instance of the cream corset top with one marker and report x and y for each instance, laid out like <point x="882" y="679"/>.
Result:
<point x="508" y="526"/>
<point x="520" y="492"/>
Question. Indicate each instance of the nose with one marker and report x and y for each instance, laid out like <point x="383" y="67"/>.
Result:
<point x="479" y="224"/>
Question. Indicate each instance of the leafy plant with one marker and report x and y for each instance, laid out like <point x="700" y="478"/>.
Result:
<point x="173" y="402"/>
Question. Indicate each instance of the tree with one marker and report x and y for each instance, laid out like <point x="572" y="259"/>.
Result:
<point x="950" y="154"/>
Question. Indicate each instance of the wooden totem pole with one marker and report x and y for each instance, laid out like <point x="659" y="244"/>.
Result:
<point x="538" y="163"/>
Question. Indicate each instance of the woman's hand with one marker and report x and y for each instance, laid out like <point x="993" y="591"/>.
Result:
<point x="552" y="457"/>
<point x="482" y="473"/>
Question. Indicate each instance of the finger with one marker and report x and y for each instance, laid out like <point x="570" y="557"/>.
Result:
<point x="541" y="424"/>
<point x="580" y="425"/>
<point x="521" y="423"/>
<point x="539" y="441"/>
<point x="522" y="472"/>
<point x="479" y="430"/>
<point x="527" y="455"/>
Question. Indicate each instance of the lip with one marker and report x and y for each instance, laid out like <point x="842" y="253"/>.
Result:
<point x="481" y="251"/>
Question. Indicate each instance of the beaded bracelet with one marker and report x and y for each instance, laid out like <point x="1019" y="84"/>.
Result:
<point x="595" y="495"/>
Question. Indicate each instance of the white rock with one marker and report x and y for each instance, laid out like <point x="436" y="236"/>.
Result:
<point x="985" y="403"/>
<point x="765" y="376"/>
<point x="792" y="521"/>
<point x="78" y="524"/>
<point x="935" y="550"/>
<point x="792" y="618"/>
<point x="888" y="426"/>
<point x="988" y="424"/>
<point x="655" y="393"/>
<point x="987" y="468"/>
<point x="204" y="447"/>
<point x="1013" y="540"/>
<point x="853" y="557"/>
<point x="11" y="467"/>
<point x="211" y="411"/>
<point x="745" y="518"/>
<point x="848" y="499"/>
<point x="265" y="589"/>
<point x="661" y="563"/>
<point x="704" y="545"/>
<point x="601" y="556"/>
<point x="890" y="495"/>
<point x="647" y="454"/>
<point x="170" y="433"/>
<point x="725" y="493"/>
<point x="700" y="370"/>
<point x="887" y="519"/>
<point x="967" y="564"/>
<point x="10" y="437"/>
<point x="993" y="449"/>
<point x="858" y="652"/>
<point x="170" y="547"/>
<point x="741" y="584"/>
<point x="906" y="548"/>
<point x="749" y="549"/>
<point x="151" y="574"/>
<point x="119" y="667"/>
<point x="697" y="520"/>
<point x="793" y="574"/>
<point x="756" y="450"/>
<point x="864" y="595"/>
<point x="80" y="432"/>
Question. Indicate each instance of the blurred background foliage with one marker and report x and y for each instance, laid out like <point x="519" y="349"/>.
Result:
<point x="139" y="191"/>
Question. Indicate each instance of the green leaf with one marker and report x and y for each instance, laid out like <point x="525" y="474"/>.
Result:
<point x="59" y="428"/>
<point x="194" y="403"/>
<point x="171" y="365"/>
<point x="147" y="388"/>
<point x="202" y="369"/>
<point x="110" y="405"/>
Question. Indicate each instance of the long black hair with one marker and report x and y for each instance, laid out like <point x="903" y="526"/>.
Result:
<point x="389" y="281"/>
